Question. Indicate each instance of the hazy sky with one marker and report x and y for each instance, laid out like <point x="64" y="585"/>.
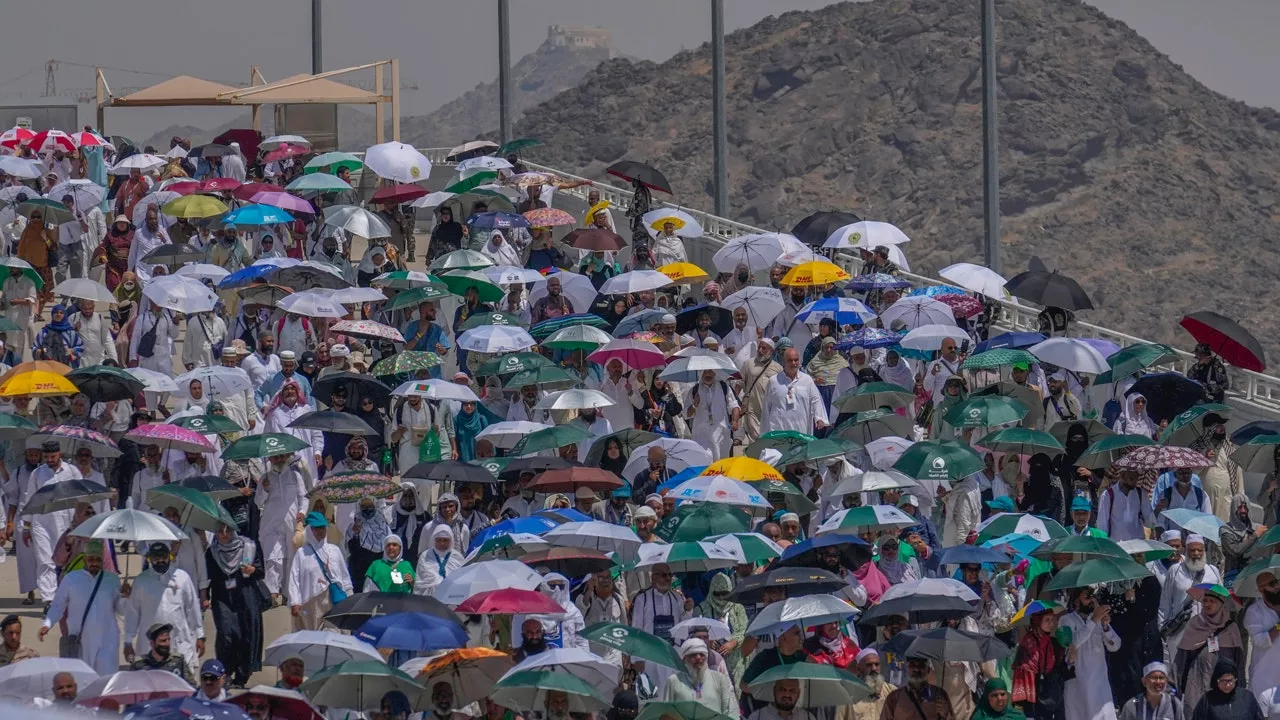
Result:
<point x="446" y="48"/>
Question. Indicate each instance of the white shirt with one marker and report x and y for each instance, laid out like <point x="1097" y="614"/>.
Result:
<point x="596" y="429"/>
<point x="936" y="382"/>
<point x="1088" y="695"/>
<point x="620" y="415"/>
<point x="72" y="596"/>
<point x="652" y="603"/>
<point x="964" y="511"/>
<point x="1176" y="583"/>
<point x="171" y="599"/>
<point x="96" y="332"/>
<point x="144" y="480"/>
<point x="792" y="404"/>
<point x="307" y="580"/>
<point x="1124" y="516"/>
<point x="260" y="369"/>
<point x="145" y="241"/>
<point x="1259" y="620"/>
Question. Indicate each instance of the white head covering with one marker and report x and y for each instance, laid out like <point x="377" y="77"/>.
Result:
<point x="769" y="456"/>
<point x="1137" y="423"/>
<point x="1168" y="535"/>
<point x="504" y="254"/>
<point x="1195" y="540"/>
<point x="442" y="531"/>
<point x="692" y="646"/>
<point x="392" y="538"/>
<point x="866" y="653"/>
<point x="1156" y="666"/>
<point x="561" y="596"/>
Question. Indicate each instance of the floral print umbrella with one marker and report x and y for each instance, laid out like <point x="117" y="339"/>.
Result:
<point x="1160" y="457"/>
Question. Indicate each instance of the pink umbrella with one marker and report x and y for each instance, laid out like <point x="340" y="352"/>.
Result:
<point x="284" y="201"/>
<point x="170" y="437"/>
<point x="286" y="150"/>
<point x="221" y="184"/>
<point x="127" y="687"/>
<point x="962" y="305"/>
<point x="52" y="140"/>
<point x="635" y="354"/>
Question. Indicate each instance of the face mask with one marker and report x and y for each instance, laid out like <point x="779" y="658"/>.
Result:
<point x="368" y="512"/>
<point x="742" y="277"/>
<point x="1272" y="598"/>
<point x="160" y="566"/>
<point x="129" y="286"/>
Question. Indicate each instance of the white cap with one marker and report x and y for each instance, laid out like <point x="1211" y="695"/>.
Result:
<point x="584" y="493"/>
<point x="767" y="341"/>
<point x="287" y="355"/>
<point x="1060" y="376"/>
<point x="339" y="350"/>
<point x="1168" y="535"/>
<point x="1195" y="540"/>
<point x="644" y="511"/>
<point x="692" y="646"/>
<point x="1156" y="666"/>
<point x="866" y="653"/>
<point x="909" y="500"/>
<point x="667" y="319"/>
<point x="789" y="517"/>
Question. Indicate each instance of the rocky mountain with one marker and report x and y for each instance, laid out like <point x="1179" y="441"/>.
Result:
<point x="1161" y="196"/>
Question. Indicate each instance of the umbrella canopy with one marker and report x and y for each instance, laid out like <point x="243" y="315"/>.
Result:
<point x="33" y="677"/>
<point x="285" y="704"/>
<point x="1194" y="521"/>
<point x="196" y="509"/>
<point x="568" y="480"/>
<point x="15" y="427"/>
<point x="795" y="582"/>
<point x="817" y="450"/>
<point x="997" y="358"/>
<point x="471" y="580"/>
<point x="1136" y="358"/>
<point x="919" y="311"/>
<point x="319" y="648"/>
<point x="129" y="687"/>
<point x="1071" y="354"/>
<point x="568" y="561"/>
<point x="635" y="281"/>
<point x="1080" y="547"/>
<point x="72" y="438"/>
<point x="1021" y="441"/>
<point x="214" y="486"/>
<point x="1226" y="338"/>
<point x="873" y="481"/>
<point x="170" y="437"/>
<point x="1189" y="426"/>
<point x="986" y="411"/>
<point x="939" y="460"/>
<point x="1049" y="289"/>
<point x="180" y="294"/>
<point x="358" y="685"/>
<point x="1258" y="455"/>
<point x="950" y="645"/>
<point x="550" y="439"/>
<point x="353" y="612"/>
<point x="129" y="525"/>
<point x="510" y="601"/>
<point x="65" y="495"/>
<point x="780" y="440"/>
<point x="529" y="689"/>
<point x="1168" y="394"/>
<point x="419" y="632"/>
<point x="749" y="548"/>
<point x="977" y="278"/>
<point x="721" y="489"/>
<point x="814" y="274"/>
<point x="1158" y="457"/>
<point x="264" y="445"/>
<point x="683" y="556"/>
<point x="1097" y="570"/>
<point x="358" y="387"/>
<point x="820" y="685"/>
<point x="471" y="672"/>
<point x="867" y="518"/>
<point x="1000" y="524"/>
<point x="805" y="611"/>
<point x="397" y="161"/>
<point x="1246" y="583"/>
<point x="217" y="381"/>
<point x="634" y="642"/>
<point x="357" y="221"/>
<point x="633" y="171"/>
<point x="334" y="422"/>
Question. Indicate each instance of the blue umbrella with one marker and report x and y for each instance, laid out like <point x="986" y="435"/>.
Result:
<point x="185" y="708"/>
<point x="533" y="525"/>
<point x="564" y="515"/>
<point x="877" y="281"/>
<point x="845" y="311"/>
<point x="1009" y="340"/>
<point x="869" y="337"/>
<point x="1021" y="543"/>
<point x="686" y="474"/>
<point x="936" y="290"/>
<point x="1195" y="522"/>
<point x="497" y="221"/>
<point x="418" y="632"/>
<point x="970" y="555"/>
<point x="257" y="215"/>
<point x="853" y="551"/>
<point x="641" y="321"/>
<point x="244" y="277"/>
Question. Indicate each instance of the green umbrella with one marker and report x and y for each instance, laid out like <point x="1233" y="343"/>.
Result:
<point x="208" y="424"/>
<point x="103" y="383"/>
<point x="406" y="280"/>
<point x="628" y="438"/>
<point x="1110" y="449"/>
<point x="780" y="440"/>
<point x="637" y="643"/>
<point x="985" y="411"/>
<point x="998" y="358"/>
<point x="54" y="212"/>
<point x="698" y="521"/>
<point x="197" y="509"/>
<point x="28" y="272"/>
<point x="1097" y="571"/>
<point x="550" y="439"/>
<point x="871" y="396"/>
<point x="816" y="450"/>
<point x="262" y="446"/>
<point x="359" y="685"/>
<point x="407" y="362"/>
<point x="415" y="297"/>
<point x="471" y="182"/>
<point x="682" y="710"/>
<point x="15" y="427"/>
<point x="578" y="337"/>
<point x="460" y="281"/>
<point x="820" y="685"/>
<point x="939" y="460"/>
<point x="513" y="363"/>
<point x="332" y="162"/>
<point x="546" y="328"/>
<point x="1021" y="441"/>
<point x="751" y="547"/>
<point x="1246" y="583"/>
<point x="1094" y="429"/>
<point x="1001" y="524"/>
<point x="1188" y="426"/>
<point x="528" y="689"/>
<point x="514" y="146"/>
<point x="1258" y="455"/>
<point x="494" y="318"/>
<point x="508" y="547"/>
<point x="8" y="326"/>
<point x="1135" y="358"/>
<point x="318" y="182"/>
<point x="793" y="498"/>
<point x="462" y="260"/>
<point x="1081" y="546"/>
<point x="551" y="377"/>
<point x="871" y="425"/>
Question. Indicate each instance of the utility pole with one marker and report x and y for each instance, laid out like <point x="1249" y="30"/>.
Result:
<point x="317" y="54"/>
<point x="719" y="132"/>
<point x="990" y="140"/>
<point x="504" y="68"/>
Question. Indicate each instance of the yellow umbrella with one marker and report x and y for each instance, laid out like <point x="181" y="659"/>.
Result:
<point x="743" y="468"/>
<point x="591" y="212"/>
<point x="37" y="383"/>
<point x="683" y="272"/>
<point x="52" y="366"/>
<point x="812" y="274"/>
<point x="194" y="206"/>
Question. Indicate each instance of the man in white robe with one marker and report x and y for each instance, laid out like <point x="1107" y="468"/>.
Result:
<point x="95" y="330"/>
<point x="1193" y="570"/>
<point x="295" y="334"/>
<point x="46" y="528"/>
<point x="785" y="323"/>
<point x="263" y="363"/>
<point x="161" y="358"/>
<point x="89" y="615"/>
<point x="792" y="400"/>
<point x="1262" y="622"/>
<point x="1087" y="696"/>
<point x="152" y="475"/>
<point x="660" y="607"/>
<point x="18" y="491"/>
<point x="316" y="564"/>
<point x="204" y="330"/>
<point x="523" y="408"/>
<point x="19" y="302"/>
<point x="163" y="594"/>
<point x="151" y="236"/>
<point x="668" y="247"/>
<point x="595" y="424"/>
<point x="241" y="406"/>
<point x="282" y="495"/>
<point x="233" y="164"/>
<point x="713" y="414"/>
<point x="618" y="387"/>
<point x="283" y="410"/>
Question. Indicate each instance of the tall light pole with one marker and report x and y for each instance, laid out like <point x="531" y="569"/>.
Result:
<point x="990" y="140"/>
<point x="719" y="132"/>
<point x="504" y="68"/>
<point x="317" y="53"/>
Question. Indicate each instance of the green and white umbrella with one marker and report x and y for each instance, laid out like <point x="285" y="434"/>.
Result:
<point x="28" y="272"/>
<point x="820" y="685"/>
<point x="549" y="439"/>
<point x="634" y="642"/>
<point x="494" y="318"/>
<point x="805" y="611"/>
<point x="873" y="481"/>
<point x="1135" y="358"/>
<point x="196" y="509"/>
<point x="1246" y="583"/>
<point x="686" y="556"/>
<point x="870" y="425"/>
<point x="578" y="337"/>
<point x="1001" y="524"/>
<point x="939" y="460"/>
<point x="1080" y="547"/>
<point x="513" y="363"/>
<point x="1021" y="441"/>
<point x="1097" y="571"/>
<point x="1258" y="455"/>
<point x="875" y="395"/>
<point x="628" y="438"/>
<point x="998" y="358"/>
<point x="695" y="521"/>
<point x="461" y="281"/>
<point x="1105" y="451"/>
<point x="360" y="685"/>
<point x="262" y="446"/>
<point x="780" y="440"/>
<point x="749" y="548"/>
<point x="986" y="411"/>
<point x="1188" y="426"/>
<point x="792" y="497"/>
<point x="1149" y="549"/>
<point x="867" y="518"/>
<point x="551" y="377"/>
<point x="208" y="424"/>
<point x="462" y="260"/>
<point x="823" y="449"/>
<point x="527" y="689"/>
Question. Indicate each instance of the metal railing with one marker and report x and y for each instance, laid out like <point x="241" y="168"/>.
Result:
<point x="1260" y="392"/>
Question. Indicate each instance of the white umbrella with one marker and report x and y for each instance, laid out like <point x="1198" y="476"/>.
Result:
<point x="352" y="295"/>
<point x="319" y="648"/>
<point x="1027" y="525"/>
<point x="930" y="337"/>
<point x="153" y="381"/>
<point x="720" y="489"/>
<point x="276" y="141"/>
<point x="436" y="389"/>
<point x="357" y="221"/>
<point x="432" y="200"/>
<point x="482" y="577"/>
<point x="686" y="225"/>
<point x="129" y="525"/>
<point x="33" y="677"/>
<point x="940" y="587"/>
<point x="757" y="251"/>
<point x="203" y="271"/>
<point x="495" y="339"/>
<point x="686" y="556"/>
<point x="218" y="381"/>
<point x="504" y="435"/>
<point x="690" y="369"/>
<point x="739" y="544"/>
<point x="84" y="289"/>
<point x="867" y="517"/>
<point x="582" y="664"/>
<point x="1070" y="354"/>
<point x="177" y="151"/>
<point x="141" y="161"/>
<point x="139" y="216"/>
<point x="885" y="451"/>
<point x="717" y="630"/>
<point x="311" y="304"/>
<point x="634" y="282"/>
<point x="596" y="535"/>
<point x="978" y="278"/>
<point x="84" y="193"/>
<point x="472" y="146"/>
<point x="573" y="399"/>
<point x="484" y="162"/>
<point x="763" y="304"/>
<point x="23" y="168"/>
<point x="578" y="288"/>
<point x="579" y="333"/>
<point x="865" y="235"/>
<point x="800" y="256"/>
<point x="127" y="687"/>
<point x="681" y="454"/>
<point x="918" y="310"/>
<point x="873" y="481"/>
<point x="180" y="294"/>
<point x="397" y="161"/>
<point x="505" y="276"/>
<point x="806" y="610"/>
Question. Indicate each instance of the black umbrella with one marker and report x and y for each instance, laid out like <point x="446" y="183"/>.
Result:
<point x="1049" y="289"/>
<point x="64" y="496"/>
<point x="535" y="465"/>
<point x="302" y="277"/>
<point x="449" y="471"/>
<point x="948" y="644"/>
<point x="103" y="383"/>
<point x="918" y="609"/>
<point x="631" y="171"/>
<point x="351" y="613"/>
<point x="1251" y="430"/>
<point x="794" y="581"/>
<point x="1168" y="394"/>
<point x="1226" y="338"/>
<point x="174" y="255"/>
<point x="335" y="422"/>
<point x="721" y="319"/>
<point x="216" y="487"/>
<point x="816" y="228"/>
<point x="569" y="561"/>
<point x="357" y="386"/>
<point x="210" y="150"/>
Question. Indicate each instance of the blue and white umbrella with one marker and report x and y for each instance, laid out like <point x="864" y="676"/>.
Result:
<point x="497" y="221"/>
<point x="1195" y="522"/>
<point x="494" y="339"/>
<point x="845" y="311"/>
<point x="639" y="322"/>
<point x="257" y="215"/>
<point x="936" y="290"/>
<point x="311" y="304"/>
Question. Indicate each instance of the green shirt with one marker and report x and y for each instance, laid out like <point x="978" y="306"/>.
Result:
<point x="380" y="573"/>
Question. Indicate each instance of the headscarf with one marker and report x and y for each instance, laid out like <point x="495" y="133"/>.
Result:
<point x="229" y="555"/>
<point x="31" y="245"/>
<point x="1039" y="486"/>
<point x="457" y="523"/>
<point x="719" y="583"/>
<point x="555" y="498"/>
<point x="1203" y="626"/>
<point x="1241" y="525"/>
<point x="225" y="438"/>
<point x="609" y="464"/>
<point x="1039" y="656"/>
<point x="1137" y="423"/>
<point x="592" y="262"/>
<point x="278" y="400"/>
<point x="561" y="596"/>
<point x="1235" y="705"/>
<point x="373" y="530"/>
<point x="873" y="580"/>
<point x="900" y="374"/>
<point x="783" y="345"/>
<point x="466" y="426"/>
<point x="825" y="369"/>
<point x="58" y="325"/>
<point x="434" y="567"/>
<point x="386" y="556"/>
<point x="398" y="703"/>
<point x="128" y="296"/>
<point x="504" y="254"/>
<point x="986" y="712"/>
<point x="408" y="523"/>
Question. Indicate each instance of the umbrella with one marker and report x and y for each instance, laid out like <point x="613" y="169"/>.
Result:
<point x="15" y="427"/>
<point x="633" y="354"/>
<point x="496" y="339"/>
<point x="634" y="282"/>
<point x="820" y="685"/>
<point x="196" y="509"/>
<point x="573" y="399"/>
<point x="1188" y="426"/>
<point x="128" y="687"/>
<point x="795" y="581"/>
<point x="319" y="648"/>
<point x="27" y="271"/>
<point x="690" y="369"/>
<point x="507" y="547"/>
<point x="939" y="460"/>
<point x="358" y="387"/>
<point x="506" y="434"/>
<point x="685" y="556"/>
<point x="264" y="445"/>
<point x="681" y="454"/>
<point x="816" y="450"/>
<point x="877" y="281"/>
<point x="471" y="580"/>
<point x="475" y="148"/>
<point x="1049" y="289"/>
<point x="180" y="294"/>
<point x="918" y="311"/>
<point x="869" y="338"/>
<point x="170" y="437"/>
<point x="448" y="471"/>
<point x="568" y="480"/>
<point x="1258" y="455"/>
<point x="284" y="201"/>
<point x="1162" y="457"/>
<point x="1226" y="338"/>
<point x="214" y="486"/>
<point x="462" y="260"/>
<point x="471" y="672"/>
<point x="397" y="161"/>
<point x="397" y="194"/>
<point x="929" y="338"/>
<point x="977" y="278"/>
<point x="568" y="561"/>
<point x="547" y="328"/>
<point x="84" y="193"/>
<point x="1097" y="571"/>
<point x="805" y="611"/>
<point x="311" y="304"/>
<point x="311" y="274"/>
<point x="333" y="161"/>
<point x="353" y="612"/>
<point x="54" y="212"/>
<point x="636" y="643"/>
<point x="986" y="411"/>
<point x="71" y="438"/>
<point x="866" y="518"/>
<point x="419" y="632"/>
<point x="684" y="224"/>
<point x="550" y="439"/>
<point x="460" y="281"/>
<point x="185" y="707"/>
<point x="594" y="240"/>
<point x="866" y="235"/>
<point x="358" y="685"/>
<point x="1021" y="441"/>
<point x="633" y="172"/>
<point x="65" y="495"/>
<point x="174" y="255"/>
<point x="22" y="168"/>
<point x="745" y="469"/>
<point x="814" y="274"/>
<point x="510" y="601"/>
<point x="218" y="381"/>
<point x="970" y="555"/>
<point x="257" y="214"/>
<point x="285" y="704"/>
<point x="1000" y="524"/>
<point x="873" y="481"/>
<point x="153" y="381"/>
<point x="1195" y="522"/>
<point x="529" y="689"/>
<point x="950" y="645"/>
<point x="194" y="207"/>
<point x="763" y="304"/>
<point x="349" y="487"/>
<point x="34" y="676"/>
<point x="317" y="182"/>
<point x="356" y="221"/>
<point x="1070" y="354"/>
<point x="816" y="228"/>
<point x="1246" y="583"/>
<point x="404" y="280"/>
<point x="845" y="311"/>
<point x="436" y="389"/>
<point x="721" y="489"/>
<point x="1168" y="394"/>
<point x="129" y="525"/>
<point x="757" y="251"/>
<point x="749" y="548"/>
<point x="997" y="358"/>
<point x="203" y="271"/>
<point x="922" y="601"/>
<point x="505" y="276"/>
<point x="1081" y="547"/>
<point x="1136" y="358"/>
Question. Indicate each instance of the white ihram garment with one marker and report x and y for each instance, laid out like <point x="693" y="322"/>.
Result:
<point x="48" y="527"/>
<point x="710" y="420"/>
<point x="281" y="503"/>
<point x="100" y="647"/>
<point x="170" y="599"/>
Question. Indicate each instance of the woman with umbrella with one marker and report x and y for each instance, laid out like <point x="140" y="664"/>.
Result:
<point x="1040" y="669"/>
<point x="410" y="516"/>
<point x="596" y="266"/>
<point x="364" y="538"/>
<point x="1210" y="637"/>
<point x="717" y="605"/>
<point x="237" y="604"/>
<point x="1074" y="479"/>
<point x="954" y="392"/>
<point x="447" y="235"/>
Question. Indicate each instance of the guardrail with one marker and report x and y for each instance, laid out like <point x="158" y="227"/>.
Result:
<point x="1261" y="392"/>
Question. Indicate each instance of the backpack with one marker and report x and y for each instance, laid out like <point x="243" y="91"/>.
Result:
<point x="724" y="388"/>
<point x="1167" y="496"/>
<point x="55" y="347"/>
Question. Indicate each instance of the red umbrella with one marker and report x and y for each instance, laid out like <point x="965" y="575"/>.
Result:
<point x="509" y="601"/>
<point x="962" y="305"/>
<point x="1226" y="338"/>
<point x="570" y="479"/>
<point x="15" y="136"/>
<point x="248" y="190"/>
<point x="397" y="194"/>
<point x="52" y="140"/>
<point x="219" y="184"/>
<point x="85" y="138"/>
<point x="185" y="187"/>
<point x="1161" y="457"/>
<point x="569" y="561"/>
<point x="285" y="150"/>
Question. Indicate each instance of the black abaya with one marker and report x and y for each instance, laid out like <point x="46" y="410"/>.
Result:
<point x="237" y="606"/>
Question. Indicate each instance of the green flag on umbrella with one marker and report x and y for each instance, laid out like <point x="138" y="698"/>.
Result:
<point x="637" y="643"/>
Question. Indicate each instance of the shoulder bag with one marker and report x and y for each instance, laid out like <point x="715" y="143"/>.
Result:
<point x="69" y="645"/>
<point x="336" y="593"/>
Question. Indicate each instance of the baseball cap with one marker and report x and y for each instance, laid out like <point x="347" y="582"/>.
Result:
<point x="212" y="666"/>
<point x="1082" y="504"/>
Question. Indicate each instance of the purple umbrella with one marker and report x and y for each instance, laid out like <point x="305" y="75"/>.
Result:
<point x="1104" y="347"/>
<point x="284" y="201"/>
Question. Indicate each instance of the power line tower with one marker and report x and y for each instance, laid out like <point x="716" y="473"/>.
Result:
<point x="50" y="83"/>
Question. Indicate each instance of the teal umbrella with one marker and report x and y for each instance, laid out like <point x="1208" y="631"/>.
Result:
<point x="985" y="411"/>
<point x="1097" y="571"/>
<point x="550" y="377"/>
<point x="998" y="358"/>
<point x="1110" y="449"/>
<point x="871" y="396"/>
<point x="513" y="363"/>
<point x="1021" y="441"/>
<point x="939" y="460"/>
<point x="697" y="521"/>
<point x="1135" y="358"/>
<point x="1188" y="426"/>
<point x="317" y="182"/>
<point x="871" y="425"/>
<point x="515" y="146"/>
<point x="1258" y="455"/>
<point x="550" y="439"/>
<point x="196" y="509"/>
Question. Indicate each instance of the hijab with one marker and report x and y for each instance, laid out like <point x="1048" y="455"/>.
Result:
<point x="609" y="464"/>
<point x="58" y="325"/>
<point x="466" y="426"/>
<point x="873" y="580"/>
<point x="230" y="554"/>
<point x="434" y="567"/>
<point x="504" y="254"/>
<point x="124" y="295"/>
<point x="900" y="374"/>
<point x="824" y="369"/>
<point x="1137" y="423"/>
<point x="561" y="596"/>
<point x="719" y="583"/>
<point x="1203" y="626"/>
<point x="1039" y="486"/>
<point x="986" y="712"/>
<point x="409" y="522"/>
<point x="374" y="528"/>
<point x="1235" y="705"/>
<point x="278" y="400"/>
<point x="386" y="555"/>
